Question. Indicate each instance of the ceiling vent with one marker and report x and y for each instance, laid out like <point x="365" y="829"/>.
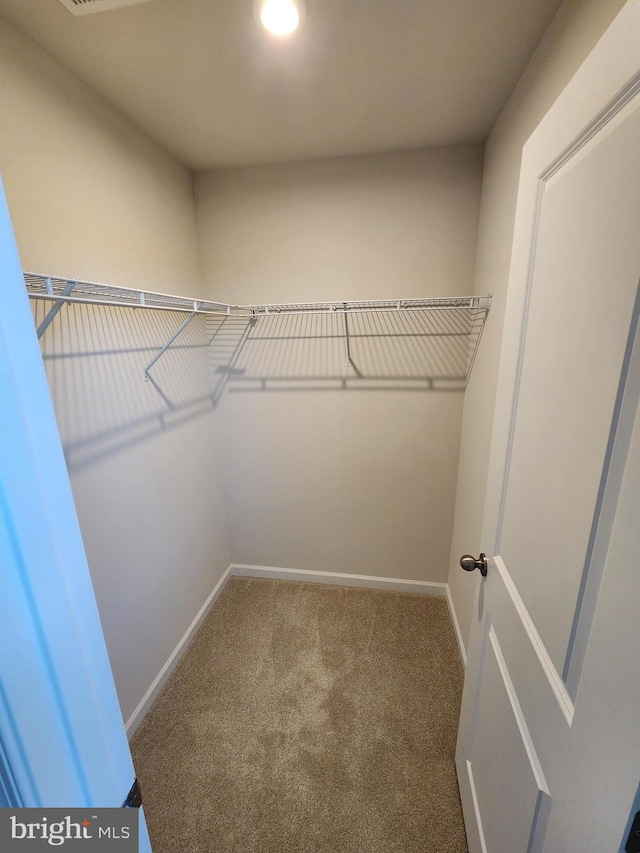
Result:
<point x="87" y="7"/>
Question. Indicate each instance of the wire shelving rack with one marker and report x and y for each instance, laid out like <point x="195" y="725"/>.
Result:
<point x="465" y="315"/>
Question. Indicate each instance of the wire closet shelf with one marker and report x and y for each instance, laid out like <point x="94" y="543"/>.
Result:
<point x="466" y="314"/>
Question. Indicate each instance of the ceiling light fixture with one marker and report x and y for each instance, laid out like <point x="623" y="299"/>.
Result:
<point x="280" y="17"/>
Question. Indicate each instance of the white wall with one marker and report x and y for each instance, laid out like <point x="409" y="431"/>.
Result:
<point x="92" y="197"/>
<point x="320" y="477"/>
<point x="89" y="195"/>
<point x="574" y="31"/>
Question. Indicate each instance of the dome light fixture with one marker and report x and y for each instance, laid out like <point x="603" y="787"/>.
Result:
<point x="280" y="17"/>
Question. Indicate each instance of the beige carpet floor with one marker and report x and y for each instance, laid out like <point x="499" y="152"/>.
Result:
<point x="306" y="718"/>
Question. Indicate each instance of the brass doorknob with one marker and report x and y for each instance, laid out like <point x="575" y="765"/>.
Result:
<point x="470" y="563"/>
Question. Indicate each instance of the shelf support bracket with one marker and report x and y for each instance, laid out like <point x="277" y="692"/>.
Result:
<point x="51" y="314"/>
<point x="168" y="344"/>
<point x="346" y="335"/>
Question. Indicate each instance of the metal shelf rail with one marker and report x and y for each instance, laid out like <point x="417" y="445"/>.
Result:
<point x="470" y="311"/>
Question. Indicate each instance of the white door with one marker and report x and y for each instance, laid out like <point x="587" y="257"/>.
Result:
<point x="62" y="739"/>
<point x="548" y="751"/>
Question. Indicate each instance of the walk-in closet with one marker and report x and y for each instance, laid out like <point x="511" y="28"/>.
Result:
<point x="266" y="310"/>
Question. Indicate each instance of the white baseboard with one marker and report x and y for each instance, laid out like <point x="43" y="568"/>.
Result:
<point x="158" y="683"/>
<point x="427" y="587"/>
<point x="456" y="628"/>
